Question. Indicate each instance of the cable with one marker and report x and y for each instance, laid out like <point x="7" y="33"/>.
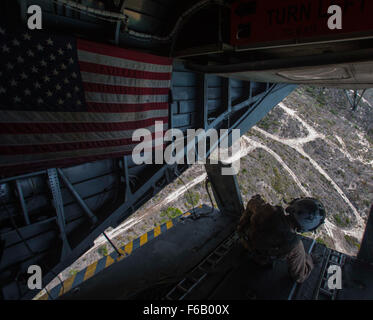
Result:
<point x="97" y="13"/>
<point x="89" y="14"/>
<point x="198" y="6"/>
<point x="47" y="291"/>
<point x="172" y="36"/>
<point x="174" y="33"/>
<point x="201" y="215"/>
<point x="112" y="244"/>
<point x="139" y="35"/>
<point x="208" y="192"/>
<point x="194" y="215"/>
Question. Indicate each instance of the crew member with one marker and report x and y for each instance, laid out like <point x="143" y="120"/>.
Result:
<point x="270" y="232"/>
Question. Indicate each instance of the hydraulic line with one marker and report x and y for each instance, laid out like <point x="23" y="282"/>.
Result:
<point x="117" y="17"/>
<point x="197" y="7"/>
<point x="87" y="9"/>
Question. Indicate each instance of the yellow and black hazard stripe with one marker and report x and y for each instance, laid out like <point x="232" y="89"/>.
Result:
<point x="99" y="265"/>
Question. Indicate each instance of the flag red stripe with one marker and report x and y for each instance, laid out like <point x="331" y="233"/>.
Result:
<point x="118" y="107"/>
<point x="68" y="146"/>
<point x="117" y="52"/>
<point x="106" y="88"/>
<point x="122" y="72"/>
<point x="34" y="128"/>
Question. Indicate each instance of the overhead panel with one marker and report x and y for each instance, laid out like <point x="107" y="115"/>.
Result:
<point x="272" y="22"/>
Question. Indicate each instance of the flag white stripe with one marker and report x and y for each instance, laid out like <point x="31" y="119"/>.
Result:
<point x="86" y="56"/>
<point x="123" y="81"/>
<point x="99" y="97"/>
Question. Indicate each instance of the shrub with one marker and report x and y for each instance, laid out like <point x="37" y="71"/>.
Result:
<point x="352" y="241"/>
<point x="276" y="182"/>
<point x="73" y="272"/>
<point x="320" y="241"/>
<point x="103" y="250"/>
<point x="170" y="213"/>
<point x="341" y="221"/>
<point x="192" y="198"/>
<point x="334" y="112"/>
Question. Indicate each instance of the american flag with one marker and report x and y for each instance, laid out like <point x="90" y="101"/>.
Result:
<point x="65" y="100"/>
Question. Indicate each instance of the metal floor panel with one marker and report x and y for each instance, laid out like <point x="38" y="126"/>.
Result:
<point x="172" y="253"/>
<point x="238" y="278"/>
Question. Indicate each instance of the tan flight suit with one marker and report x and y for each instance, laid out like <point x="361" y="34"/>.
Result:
<point x="264" y="231"/>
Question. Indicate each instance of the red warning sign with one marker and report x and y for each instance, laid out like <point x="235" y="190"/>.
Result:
<point x="261" y="21"/>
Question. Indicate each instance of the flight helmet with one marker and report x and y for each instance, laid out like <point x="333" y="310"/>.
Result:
<point x="306" y="213"/>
